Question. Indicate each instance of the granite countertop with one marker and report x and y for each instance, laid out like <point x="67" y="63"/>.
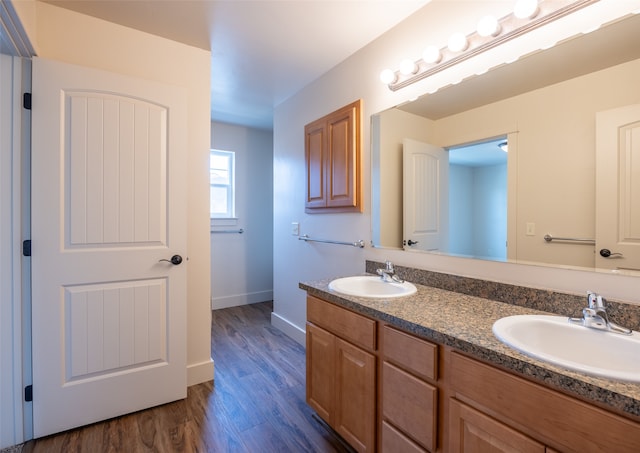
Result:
<point x="465" y="322"/>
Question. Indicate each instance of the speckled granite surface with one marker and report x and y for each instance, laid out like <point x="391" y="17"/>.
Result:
<point x="464" y="322"/>
<point x="550" y="301"/>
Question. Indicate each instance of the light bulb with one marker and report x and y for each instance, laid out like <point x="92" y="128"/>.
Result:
<point x="526" y="9"/>
<point x="431" y="55"/>
<point x="408" y="67"/>
<point x="457" y="42"/>
<point x="488" y="26"/>
<point x="387" y="76"/>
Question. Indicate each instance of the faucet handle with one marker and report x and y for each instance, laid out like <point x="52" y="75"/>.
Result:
<point x="595" y="300"/>
<point x="388" y="266"/>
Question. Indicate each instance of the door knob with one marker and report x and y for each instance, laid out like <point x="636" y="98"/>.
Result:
<point x="410" y="242"/>
<point x="606" y="253"/>
<point x="175" y="260"/>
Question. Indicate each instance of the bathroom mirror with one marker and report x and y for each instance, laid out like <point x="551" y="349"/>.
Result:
<point x="544" y="105"/>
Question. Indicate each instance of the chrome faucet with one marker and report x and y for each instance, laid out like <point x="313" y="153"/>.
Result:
<point x="594" y="316"/>
<point x="388" y="274"/>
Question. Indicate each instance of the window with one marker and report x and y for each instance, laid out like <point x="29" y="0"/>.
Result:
<point x="222" y="183"/>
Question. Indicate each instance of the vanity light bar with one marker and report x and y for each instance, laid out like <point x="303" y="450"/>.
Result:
<point x="506" y="29"/>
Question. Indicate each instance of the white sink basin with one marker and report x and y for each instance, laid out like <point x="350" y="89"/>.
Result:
<point x="371" y="286"/>
<point x="553" y="339"/>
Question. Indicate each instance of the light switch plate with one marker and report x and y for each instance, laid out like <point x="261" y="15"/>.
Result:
<point x="295" y="228"/>
<point x="531" y="229"/>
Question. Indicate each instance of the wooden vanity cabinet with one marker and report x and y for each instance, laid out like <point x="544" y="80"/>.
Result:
<point x="383" y="389"/>
<point x="341" y="371"/>
<point x="493" y="408"/>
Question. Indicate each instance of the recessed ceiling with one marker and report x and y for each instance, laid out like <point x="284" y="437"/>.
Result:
<point x="263" y="51"/>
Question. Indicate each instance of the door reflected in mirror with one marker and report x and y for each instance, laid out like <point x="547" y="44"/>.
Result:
<point x="474" y="221"/>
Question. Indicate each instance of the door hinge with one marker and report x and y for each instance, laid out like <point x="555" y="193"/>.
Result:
<point x="26" y="247"/>
<point x="28" y="393"/>
<point x="26" y="101"/>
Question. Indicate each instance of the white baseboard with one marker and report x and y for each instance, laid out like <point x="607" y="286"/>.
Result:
<point x="241" y="299"/>
<point x="289" y="328"/>
<point x="198" y="373"/>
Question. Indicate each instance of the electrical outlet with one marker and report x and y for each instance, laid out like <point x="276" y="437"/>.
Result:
<point x="295" y="228"/>
<point x="531" y="229"/>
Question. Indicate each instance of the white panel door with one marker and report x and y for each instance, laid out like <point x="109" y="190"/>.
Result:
<point x="108" y="201"/>
<point x="618" y="188"/>
<point x="425" y="196"/>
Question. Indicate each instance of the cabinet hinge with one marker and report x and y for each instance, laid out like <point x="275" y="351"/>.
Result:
<point x="28" y="393"/>
<point x="26" y="247"/>
<point x="26" y="101"/>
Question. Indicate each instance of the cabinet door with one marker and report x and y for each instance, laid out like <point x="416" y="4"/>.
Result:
<point x="355" y="415"/>
<point x="315" y="146"/>
<point x="472" y="431"/>
<point x="321" y="371"/>
<point x="342" y="146"/>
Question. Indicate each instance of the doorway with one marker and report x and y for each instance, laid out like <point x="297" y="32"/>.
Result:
<point x="478" y="199"/>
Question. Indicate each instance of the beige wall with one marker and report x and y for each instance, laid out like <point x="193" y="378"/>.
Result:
<point x="396" y="125"/>
<point x="555" y="156"/>
<point x="74" y="38"/>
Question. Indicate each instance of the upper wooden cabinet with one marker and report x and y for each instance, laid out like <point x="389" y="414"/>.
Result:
<point x="332" y="153"/>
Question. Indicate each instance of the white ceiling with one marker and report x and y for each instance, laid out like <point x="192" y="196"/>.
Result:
<point x="263" y="51"/>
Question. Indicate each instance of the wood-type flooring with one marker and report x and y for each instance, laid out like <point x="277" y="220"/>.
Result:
<point x="256" y="404"/>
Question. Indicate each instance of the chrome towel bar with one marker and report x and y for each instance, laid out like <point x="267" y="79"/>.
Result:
<point x="306" y="238"/>
<point x="549" y="238"/>
<point x="239" y="231"/>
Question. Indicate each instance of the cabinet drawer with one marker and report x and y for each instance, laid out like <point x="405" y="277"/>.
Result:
<point x="346" y="324"/>
<point x="410" y="404"/>
<point x="393" y="441"/>
<point x="559" y="420"/>
<point x="410" y="353"/>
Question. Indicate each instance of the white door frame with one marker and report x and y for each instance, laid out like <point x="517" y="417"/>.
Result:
<point x="15" y="291"/>
<point x="15" y="363"/>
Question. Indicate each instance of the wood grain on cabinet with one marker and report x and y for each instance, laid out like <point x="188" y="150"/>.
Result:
<point x="355" y="417"/>
<point x="315" y="154"/>
<point x="341" y="373"/>
<point x="333" y="161"/>
<point x="396" y="442"/>
<point x="410" y="353"/>
<point x="346" y="324"/>
<point x="320" y="384"/>
<point x="559" y="421"/>
<point x="472" y="431"/>
<point x="410" y="404"/>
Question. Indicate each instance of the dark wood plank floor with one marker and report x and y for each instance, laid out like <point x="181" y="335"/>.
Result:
<point x="257" y="403"/>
